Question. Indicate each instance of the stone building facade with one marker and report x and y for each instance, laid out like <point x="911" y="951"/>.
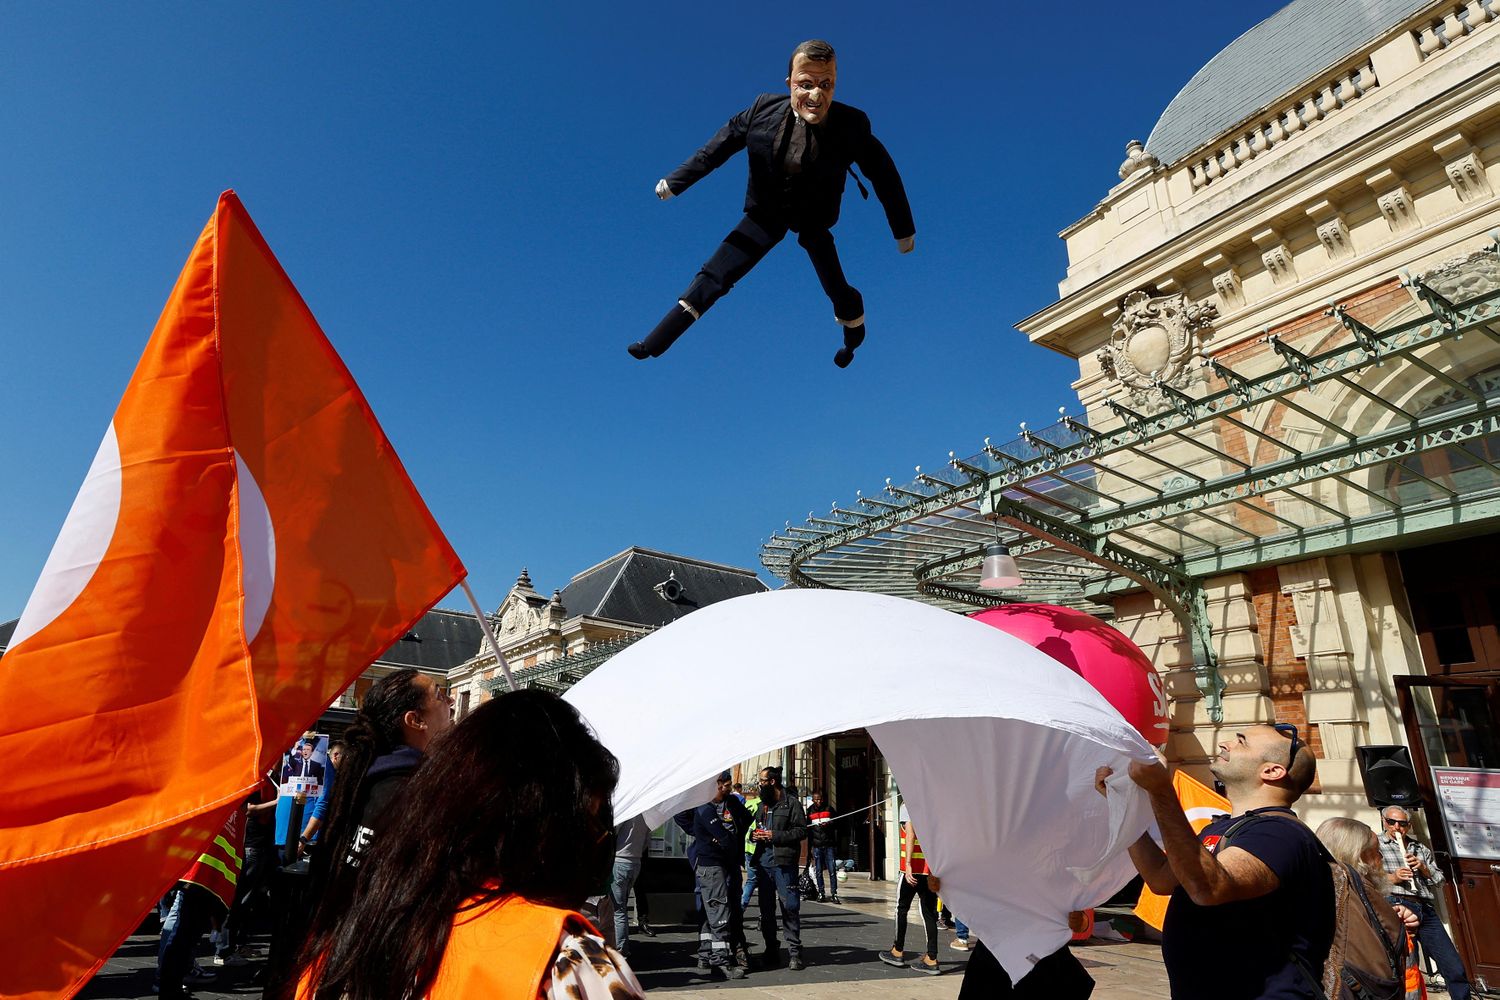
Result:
<point x="1368" y="163"/>
<point x="605" y="606"/>
<point x="1285" y="481"/>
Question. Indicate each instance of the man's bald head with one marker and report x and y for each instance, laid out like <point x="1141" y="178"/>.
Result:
<point x="1264" y="756"/>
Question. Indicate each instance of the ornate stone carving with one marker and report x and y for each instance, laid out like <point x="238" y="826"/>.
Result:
<point x="1227" y="284"/>
<point x="1279" y="262"/>
<point x="1153" y="340"/>
<point x="1468" y="178"/>
<point x="1136" y="160"/>
<point x="1395" y="201"/>
<point x="1464" y="168"/>
<point x="1397" y="208"/>
<point x="1334" y="235"/>
<point x="1467" y="277"/>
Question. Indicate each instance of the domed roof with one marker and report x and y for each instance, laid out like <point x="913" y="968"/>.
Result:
<point x="1289" y="48"/>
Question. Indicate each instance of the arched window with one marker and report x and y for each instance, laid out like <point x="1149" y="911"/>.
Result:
<point x="1462" y="468"/>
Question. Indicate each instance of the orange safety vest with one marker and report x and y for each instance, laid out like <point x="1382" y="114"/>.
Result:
<point x="501" y="950"/>
<point x="918" y="859"/>
<point x="1415" y="988"/>
<point x="218" y="868"/>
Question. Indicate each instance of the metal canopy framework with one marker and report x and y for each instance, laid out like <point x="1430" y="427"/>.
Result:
<point x="562" y="673"/>
<point x="1342" y="432"/>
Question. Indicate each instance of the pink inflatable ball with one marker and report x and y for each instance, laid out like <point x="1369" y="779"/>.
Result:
<point x="1098" y="653"/>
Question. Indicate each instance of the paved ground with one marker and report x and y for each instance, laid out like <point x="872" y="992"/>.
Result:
<point x="840" y="943"/>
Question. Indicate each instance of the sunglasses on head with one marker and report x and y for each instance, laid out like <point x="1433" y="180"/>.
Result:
<point x="1287" y="729"/>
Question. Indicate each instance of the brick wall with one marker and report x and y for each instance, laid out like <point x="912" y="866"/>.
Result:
<point x="1274" y="617"/>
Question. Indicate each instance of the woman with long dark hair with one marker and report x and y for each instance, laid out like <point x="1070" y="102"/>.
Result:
<point x="475" y="886"/>
<point x="399" y="717"/>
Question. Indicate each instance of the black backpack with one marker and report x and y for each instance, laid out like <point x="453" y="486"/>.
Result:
<point x="1367" y="959"/>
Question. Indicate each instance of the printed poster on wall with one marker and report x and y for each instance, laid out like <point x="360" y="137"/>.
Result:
<point x="1470" y="801"/>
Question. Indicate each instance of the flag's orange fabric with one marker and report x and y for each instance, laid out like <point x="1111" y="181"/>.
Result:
<point x="244" y="544"/>
<point x="1201" y="804"/>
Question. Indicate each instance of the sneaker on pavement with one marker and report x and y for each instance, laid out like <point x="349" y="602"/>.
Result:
<point x="250" y="951"/>
<point x="231" y="959"/>
<point x="921" y="965"/>
<point x="703" y="965"/>
<point x="889" y="957"/>
<point x="199" y="975"/>
<point x="796" y="964"/>
<point x="734" y="972"/>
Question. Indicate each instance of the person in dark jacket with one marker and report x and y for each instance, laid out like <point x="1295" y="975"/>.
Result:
<point x="821" y="840"/>
<point x="718" y="831"/>
<point x="801" y="146"/>
<point x="400" y="716"/>
<point x="780" y="828"/>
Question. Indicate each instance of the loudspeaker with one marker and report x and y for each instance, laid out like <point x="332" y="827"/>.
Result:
<point x="1388" y="776"/>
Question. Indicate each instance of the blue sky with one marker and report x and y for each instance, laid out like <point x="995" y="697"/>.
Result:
<point x="463" y="194"/>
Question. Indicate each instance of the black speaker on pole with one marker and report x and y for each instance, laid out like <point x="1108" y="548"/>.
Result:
<point x="1388" y="775"/>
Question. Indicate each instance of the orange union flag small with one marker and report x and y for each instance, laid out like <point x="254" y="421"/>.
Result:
<point x="244" y="544"/>
<point x="1201" y="804"/>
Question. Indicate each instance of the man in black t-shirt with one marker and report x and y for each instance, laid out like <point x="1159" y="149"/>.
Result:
<point x="1251" y="917"/>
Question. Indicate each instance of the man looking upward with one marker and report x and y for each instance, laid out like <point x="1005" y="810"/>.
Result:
<point x="1252" y="915"/>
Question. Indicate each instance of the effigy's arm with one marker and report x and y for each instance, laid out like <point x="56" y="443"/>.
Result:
<point x="875" y="162"/>
<point x="715" y="153"/>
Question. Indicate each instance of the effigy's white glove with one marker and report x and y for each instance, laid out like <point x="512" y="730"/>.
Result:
<point x="906" y="245"/>
<point x="663" y="191"/>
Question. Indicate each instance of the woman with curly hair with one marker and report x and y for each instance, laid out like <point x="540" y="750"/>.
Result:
<point x="475" y="884"/>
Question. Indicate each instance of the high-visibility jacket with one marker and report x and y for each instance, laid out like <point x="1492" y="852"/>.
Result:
<point x="1415" y="988"/>
<point x="918" y="859"/>
<point x="752" y="804"/>
<point x="218" y="868"/>
<point x="500" y="950"/>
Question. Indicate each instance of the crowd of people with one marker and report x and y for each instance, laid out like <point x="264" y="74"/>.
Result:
<point x="441" y="861"/>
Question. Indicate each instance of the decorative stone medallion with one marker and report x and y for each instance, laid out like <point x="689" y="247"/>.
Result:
<point x="1153" y="341"/>
<point x="1466" y="277"/>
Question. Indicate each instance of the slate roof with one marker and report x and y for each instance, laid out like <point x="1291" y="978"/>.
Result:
<point x="440" y="641"/>
<point x="622" y="588"/>
<point x="1290" y="48"/>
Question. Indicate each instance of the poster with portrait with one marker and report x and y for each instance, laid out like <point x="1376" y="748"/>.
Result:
<point x="303" y="769"/>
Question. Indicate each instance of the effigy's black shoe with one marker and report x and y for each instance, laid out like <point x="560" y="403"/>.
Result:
<point x="853" y="337"/>
<point x="673" y="325"/>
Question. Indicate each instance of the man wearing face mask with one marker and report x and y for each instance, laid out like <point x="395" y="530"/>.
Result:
<point x="718" y="831"/>
<point x="780" y="828"/>
<point x="801" y="146"/>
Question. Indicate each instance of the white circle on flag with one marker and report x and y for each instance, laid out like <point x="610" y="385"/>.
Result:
<point x="80" y="546"/>
<point x="257" y="540"/>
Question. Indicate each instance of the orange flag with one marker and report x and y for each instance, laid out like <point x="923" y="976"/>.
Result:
<point x="1201" y="804"/>
<point x="244" y="544"/>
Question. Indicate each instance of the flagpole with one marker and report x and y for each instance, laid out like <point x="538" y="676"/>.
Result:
<point x="484" y="623"/>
